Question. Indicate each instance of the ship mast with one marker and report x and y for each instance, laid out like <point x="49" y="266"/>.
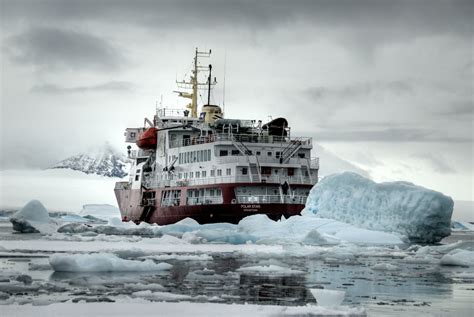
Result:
<point x="193" y="83"/>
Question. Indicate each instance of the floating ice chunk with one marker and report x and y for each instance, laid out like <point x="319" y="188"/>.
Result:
<point x="33" y="217"/>
<point x="416" y="212"/>
<point x="102" y="262"/>
<point x="458" y="257"/>
<point x="74" y="218"/>
<point x="385" y="267"/>
<point x="160" y="296"/>
<point x="101" y="211"/>
<point x="328" y="298"/>
<point x="270" y="269"/>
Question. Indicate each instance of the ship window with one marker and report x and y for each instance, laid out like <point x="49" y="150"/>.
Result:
<point x="235" y="152"/>
<point x="213" y="173"/>
<point x="132" y="134"/>
<point x="266" y="170"/>
<point x="219" y="172"/>
<point x="186" y="139"/>
<point x="191" y="174"/>
<point x="301" y="155"/>
<point x="244" y="171"/>
<point x="180" y="175"/>
<point x="223" y="153"/>
<point x="211" y="192"/>
<point x="138" y="171"/>
<point x="204" y="174"/>
<point x="209" y="154"/>
<point x="199" y="156"/>
<point x="198" y="174"/>
<point x="137" y="177"/>
<point x="186" y="175"/>
<point x="291" y="171"/>
<point x="269" y="153"/>
<point x="277" y="154"/>
<point x="228" y="171"/>
<point x="204" y="155"/>
<point x="218" y="192"/>
<point x="258" y="153"/>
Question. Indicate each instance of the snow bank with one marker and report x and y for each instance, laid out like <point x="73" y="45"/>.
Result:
<point x="420" y="214"/>
<point x="102" y="262"/>
<point x="33" y="217"/>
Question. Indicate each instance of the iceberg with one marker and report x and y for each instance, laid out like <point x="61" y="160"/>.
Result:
<point x="420" y="214"/>
<point x="33" y="218"/>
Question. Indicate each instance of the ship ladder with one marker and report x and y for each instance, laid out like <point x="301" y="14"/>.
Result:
<point x="147" y="213"/>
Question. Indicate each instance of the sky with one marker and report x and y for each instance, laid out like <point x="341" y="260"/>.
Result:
<point x="385" y="85"/>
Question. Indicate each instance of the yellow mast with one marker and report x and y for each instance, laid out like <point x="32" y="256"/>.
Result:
<point x="193" y="84"/>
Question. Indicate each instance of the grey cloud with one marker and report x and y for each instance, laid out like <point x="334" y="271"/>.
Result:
<point x="387" y="135"/>
<point x="377" y="20"/>
<point x="465" y="108"/>
<point x="360" y="90"/>
<point x="61" y="48"/>
<point x="437" y="163"/>
<point x="111" y="86"/>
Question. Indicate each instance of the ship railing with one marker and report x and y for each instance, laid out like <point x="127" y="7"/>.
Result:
<point x="245" y="138"/>
<point x="174" y="201"/>
<point x="291" y="180"/>
<point x="262" y="159"/>
<point x="170" y="112"/>
<point x="204" y="200"/>
<point x="122" y="185"/>
<point x="271" y="199"/>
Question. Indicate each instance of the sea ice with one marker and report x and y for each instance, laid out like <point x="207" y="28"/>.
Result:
<point x="33" y="217"/>
<point x="102" y="262"/>
<point x="328" y="298"/>
<point x="418" y="213"/>
<point x="458" y="257"/>
<point x="270" y="269"/>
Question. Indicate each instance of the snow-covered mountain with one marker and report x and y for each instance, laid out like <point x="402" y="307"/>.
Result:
<point x="101" y="160"/>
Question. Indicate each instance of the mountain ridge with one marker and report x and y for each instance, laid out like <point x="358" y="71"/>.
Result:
<point x="101" y="160"/>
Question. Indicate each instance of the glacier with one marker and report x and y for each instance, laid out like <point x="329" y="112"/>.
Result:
<point x="420" y="214"/>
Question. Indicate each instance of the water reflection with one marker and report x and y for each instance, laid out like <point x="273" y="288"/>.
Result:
<point x="276" y="290"/>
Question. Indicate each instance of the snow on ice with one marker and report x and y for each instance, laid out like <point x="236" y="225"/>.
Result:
<point x="102" y="262"/>
<point x="421" y="214"/>
<point x="33" y="217"/>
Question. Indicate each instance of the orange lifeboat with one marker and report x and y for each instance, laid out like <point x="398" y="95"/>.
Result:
<point x="148" y="139"/>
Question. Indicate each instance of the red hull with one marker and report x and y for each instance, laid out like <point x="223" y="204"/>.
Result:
<point x="131" y="209"/>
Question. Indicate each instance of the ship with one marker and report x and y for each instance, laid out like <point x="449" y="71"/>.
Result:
<point x="211" y="168"/>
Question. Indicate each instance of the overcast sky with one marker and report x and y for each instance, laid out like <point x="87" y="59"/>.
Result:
<point x="386" y="85"/>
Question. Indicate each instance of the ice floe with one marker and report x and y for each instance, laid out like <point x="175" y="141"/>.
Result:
<point x="458" y="257"/>
<point x="420" y="214"/>
<point x="102" y="262"/>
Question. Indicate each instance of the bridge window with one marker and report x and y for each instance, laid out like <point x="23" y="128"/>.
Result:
<point x="223" y="153"/>
<point x="269" y="153"/>
<point x="235" y="152"/>
<point x="228" y="171"/>
<point x="219" y="172"/>
<point x="301" y="155"/>
<point x="244" y="171"/>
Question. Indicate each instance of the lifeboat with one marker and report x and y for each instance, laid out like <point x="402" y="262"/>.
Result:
<point x="148" y="139"/>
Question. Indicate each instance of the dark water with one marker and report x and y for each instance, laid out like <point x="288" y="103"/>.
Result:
<point x="413" y="289"/>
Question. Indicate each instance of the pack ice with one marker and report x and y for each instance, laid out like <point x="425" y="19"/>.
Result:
<point x="421" y="214"/>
